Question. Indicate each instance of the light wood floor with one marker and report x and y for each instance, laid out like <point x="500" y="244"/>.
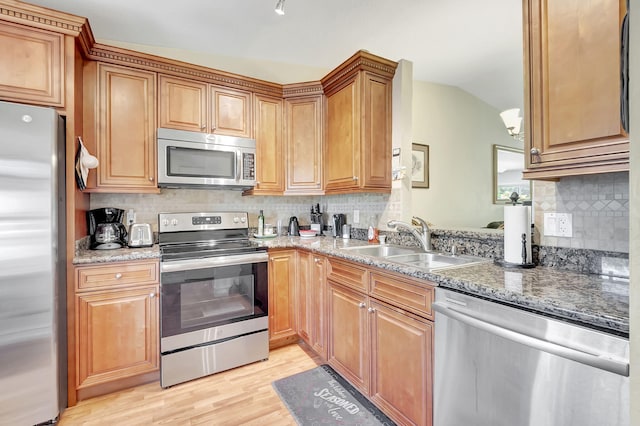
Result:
<point x="242" y="396"/>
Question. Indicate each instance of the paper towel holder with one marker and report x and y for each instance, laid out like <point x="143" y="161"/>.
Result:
<point x="527" y="265"/>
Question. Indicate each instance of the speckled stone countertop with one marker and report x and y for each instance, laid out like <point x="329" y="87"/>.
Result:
<point x="592" y="300"/>
<point x="84" y="255"/>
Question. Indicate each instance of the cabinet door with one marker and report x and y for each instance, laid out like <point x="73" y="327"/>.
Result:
<point x="183" y="104"/>
<point x="304" y="277"/>
<point x="125" y="129"/>
<point x="282" y="273"/>
<point x="573" y="81"/>
<point x="35" y="71"/>
<point x="375" y="145"/>
<point x="348" y="348"/>
<point x="342" y="147"/>
<point x="401" y="364"/>
<point x="269" y="146"/>
<point x="304" y="145"/>
<point x="317" y="302"/>
<point x="230" y="112"/>
<point x="117" y="334"/>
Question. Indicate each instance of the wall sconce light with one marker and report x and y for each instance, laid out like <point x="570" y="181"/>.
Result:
<point x="280" y="7"/>
<point x="512" y="121"/>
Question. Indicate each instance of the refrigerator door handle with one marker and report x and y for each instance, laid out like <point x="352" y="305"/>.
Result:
<point x="600" y="361"/>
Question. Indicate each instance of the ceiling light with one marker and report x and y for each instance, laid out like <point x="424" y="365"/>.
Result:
<point x="512" y="121"/>
<point x="280" y="7"/>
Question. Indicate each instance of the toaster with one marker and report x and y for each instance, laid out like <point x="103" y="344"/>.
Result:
<point x="140" y="235"/>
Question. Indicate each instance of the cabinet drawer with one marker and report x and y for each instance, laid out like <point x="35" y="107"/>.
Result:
<point x="116" y="275"/>
<point x="346" y="273"/>
<point x="404" y="293"/>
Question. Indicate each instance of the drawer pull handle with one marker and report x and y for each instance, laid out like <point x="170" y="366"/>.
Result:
<point x="118" y="276"/>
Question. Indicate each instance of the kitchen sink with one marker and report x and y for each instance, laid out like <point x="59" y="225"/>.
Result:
<point x="383" y="250"/>
<point x="434" y="260"/>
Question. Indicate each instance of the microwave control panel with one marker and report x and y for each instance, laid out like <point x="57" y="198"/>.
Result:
<point x="248" y="166"/>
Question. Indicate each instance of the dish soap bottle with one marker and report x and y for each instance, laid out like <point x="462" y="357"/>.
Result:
<point x="261" y="224"/>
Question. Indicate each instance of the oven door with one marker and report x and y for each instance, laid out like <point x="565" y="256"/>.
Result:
<point x="203" y="299"/>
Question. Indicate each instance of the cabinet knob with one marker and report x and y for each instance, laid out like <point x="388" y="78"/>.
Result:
<point x="151" y="178"/>
<point x="118" y="276"/>
<point x="535" y="151"/>
<point x="152" y="295"/>
<point x="355" y="178"/>
<point x="361" y="305"/>
<point x="371" y="310"/>
<point x="204" y="127"/>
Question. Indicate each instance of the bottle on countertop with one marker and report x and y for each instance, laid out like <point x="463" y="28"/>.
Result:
<point x="372" y="234"/>
<point x="261" y="224"/>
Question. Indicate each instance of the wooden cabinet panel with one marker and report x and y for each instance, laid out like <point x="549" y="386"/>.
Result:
<point x="573" y="82"/>
<point x="110" y="276"/>
<point x="348" y="348"/>
<point x="35" y="71"/>
<point x="402" y="292"/>
<point x="183" y="104"/>
<point x="347" y="273"/>
<point x="269" y="146"/>
<point x="311" y="288"/>
<point x="117" y="334"/>
<point x="282" y="321"/>
<point x="342" y="147"/>
<point x="376" y="133"/>
<point x="401" y="351"/>
<point x="230" y="112"/>
<point x="304" y="145"/>
<point x="122" y="104"/>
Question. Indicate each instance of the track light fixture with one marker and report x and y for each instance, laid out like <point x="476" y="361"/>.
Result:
<point x="280" y="7"/>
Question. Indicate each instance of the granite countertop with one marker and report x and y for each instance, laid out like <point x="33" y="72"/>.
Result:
<point x="592" y="300"/>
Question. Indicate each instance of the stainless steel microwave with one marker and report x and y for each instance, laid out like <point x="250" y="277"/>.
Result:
<point x="201" y="160"/>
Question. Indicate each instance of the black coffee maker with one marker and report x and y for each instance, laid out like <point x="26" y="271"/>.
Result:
<point x="106" y="230"/>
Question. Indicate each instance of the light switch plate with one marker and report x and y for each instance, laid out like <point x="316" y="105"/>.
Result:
<point x="356" y="216"/>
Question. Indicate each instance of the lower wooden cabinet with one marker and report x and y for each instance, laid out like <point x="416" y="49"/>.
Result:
<point x="311" y="301"/>
<point x="381" y="339"/>
<point x="117" y="327"/>
<point x="282" y="318"/>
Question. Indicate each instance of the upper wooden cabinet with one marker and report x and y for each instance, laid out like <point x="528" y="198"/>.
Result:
<point x="120" y="127"/>
<point x="357" y="149"/>
<point x="33" y="65"/>
<point x="573" y="88"/>
<point x="303" y="139"/>
<point x="202" y="107"/>
<point x="269" y="146"/>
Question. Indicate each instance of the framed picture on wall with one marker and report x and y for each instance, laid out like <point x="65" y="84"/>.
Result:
<point x="419" y="165"/>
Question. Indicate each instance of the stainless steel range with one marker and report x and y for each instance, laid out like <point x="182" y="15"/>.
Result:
<point x="214" y="295"/>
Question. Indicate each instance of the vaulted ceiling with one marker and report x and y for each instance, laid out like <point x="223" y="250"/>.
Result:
<point x="475" y="45"/>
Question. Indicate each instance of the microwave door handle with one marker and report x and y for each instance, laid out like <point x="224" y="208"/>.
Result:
<point x="238" y="164"/>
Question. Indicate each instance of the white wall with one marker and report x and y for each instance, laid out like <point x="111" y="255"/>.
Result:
<point x="460" y="130"/>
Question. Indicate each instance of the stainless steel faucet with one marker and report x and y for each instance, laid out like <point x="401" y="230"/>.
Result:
<point x="424" y="235"/>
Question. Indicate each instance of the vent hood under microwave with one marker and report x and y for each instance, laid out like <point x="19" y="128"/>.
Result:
<point x="200" y="160"/>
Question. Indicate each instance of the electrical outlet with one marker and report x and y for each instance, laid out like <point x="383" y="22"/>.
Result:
<point x="558" y="225"/>
<point x="564" y="225"/>
<point x="356" y="216"/>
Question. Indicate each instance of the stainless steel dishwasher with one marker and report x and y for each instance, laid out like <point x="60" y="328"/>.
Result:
<point x="498" y="365"/>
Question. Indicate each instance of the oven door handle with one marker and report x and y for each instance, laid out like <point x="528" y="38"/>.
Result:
<point x="213" y="262"/>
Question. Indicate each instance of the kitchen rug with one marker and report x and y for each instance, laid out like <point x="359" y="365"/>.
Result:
<point x="322" y="397"/>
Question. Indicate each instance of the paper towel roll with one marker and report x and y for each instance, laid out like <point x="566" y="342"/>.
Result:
<point x="517" y="221"/>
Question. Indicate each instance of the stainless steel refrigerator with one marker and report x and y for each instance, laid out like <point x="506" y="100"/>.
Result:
<point x="32" y="265"/>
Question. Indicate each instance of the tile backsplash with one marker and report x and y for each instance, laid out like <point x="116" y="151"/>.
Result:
<point x="599" y="205"/>
<point x="372" y="207"/>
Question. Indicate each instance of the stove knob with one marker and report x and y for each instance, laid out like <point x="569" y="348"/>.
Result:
<point x="174" y="222"/>
<point x="165" y="222"/>
<point x="243" y="219"/>
<point x="236" y="220"/>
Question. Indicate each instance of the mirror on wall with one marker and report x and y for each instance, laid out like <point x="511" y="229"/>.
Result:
<point x="508" y="164"/>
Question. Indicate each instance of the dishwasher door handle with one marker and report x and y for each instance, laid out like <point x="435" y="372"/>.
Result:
<point x="604" y="363"/>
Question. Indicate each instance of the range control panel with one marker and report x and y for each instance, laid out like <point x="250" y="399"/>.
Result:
<point x="172" y="222"/>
